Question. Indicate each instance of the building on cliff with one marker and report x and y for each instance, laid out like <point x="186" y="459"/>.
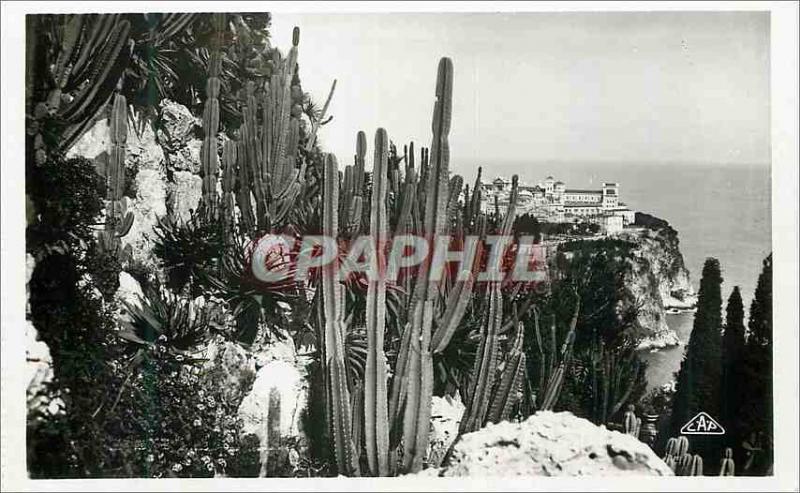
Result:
<point x="552" y="201"/>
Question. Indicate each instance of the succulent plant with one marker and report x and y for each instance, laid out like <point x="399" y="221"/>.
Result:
<point x="727" y="465"/>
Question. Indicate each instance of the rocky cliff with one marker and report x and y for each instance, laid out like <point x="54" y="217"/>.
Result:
<point x="658" y="279"/>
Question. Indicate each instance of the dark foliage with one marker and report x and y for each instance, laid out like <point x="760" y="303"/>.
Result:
<point x="527" y="224"/>
<point x="733" y="341"/>
<point x="66" y="196"/>
<point x="698" y="387"/>
<point x="604" y="365"/>
<point x="756" y="412"/>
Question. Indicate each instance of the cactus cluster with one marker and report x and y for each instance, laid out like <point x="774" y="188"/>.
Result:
<point x="615" y="374"/>
<point x="90" y="60"/>
<point x="678" y="458"/>
<point x="424" y="201"/>
<point x="263" y="172"/>
<point x="553" y="362"/>
<point x="414" y="193"/>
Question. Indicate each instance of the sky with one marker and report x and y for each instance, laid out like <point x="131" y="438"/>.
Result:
<point x="637" y="87"/>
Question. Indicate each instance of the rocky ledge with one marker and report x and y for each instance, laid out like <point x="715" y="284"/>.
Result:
<point x="550" y="444"/>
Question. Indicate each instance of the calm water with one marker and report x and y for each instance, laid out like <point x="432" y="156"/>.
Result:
<point x="719" y="211"/>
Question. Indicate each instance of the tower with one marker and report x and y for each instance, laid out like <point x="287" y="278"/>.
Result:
<point x="610" y="195"/>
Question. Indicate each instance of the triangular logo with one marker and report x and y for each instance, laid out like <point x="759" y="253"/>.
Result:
<point x="702" y="424"/>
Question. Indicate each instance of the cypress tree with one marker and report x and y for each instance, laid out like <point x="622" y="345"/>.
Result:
<point x="698" y="382"/>
<point x="756" y="410"/>
<point x="733" y="342"/>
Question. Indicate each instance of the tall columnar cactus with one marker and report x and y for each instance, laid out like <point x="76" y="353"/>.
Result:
<point x="559" y="361"/>
<point x="209" y="159"/>
<point x="727" y="466"/>
<point x="419" y="372"/>
<point x="339" y="405"/>
<point x="118" y="221"/>
<point x="228" y="202"/>
<point x="506" y="392"/>
<point x="486" y="358"/>
<point x="270" y="144"/>
<point x="697" y="466"/>
<point x="631" y="422"/>
<point x="375" y="398"/>
<point x="485" y="367"/>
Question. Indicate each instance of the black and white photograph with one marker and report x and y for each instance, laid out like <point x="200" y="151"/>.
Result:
<point x="420" y="246"/>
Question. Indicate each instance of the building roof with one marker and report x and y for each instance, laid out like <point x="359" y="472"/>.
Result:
<point x="559" y="182"/>
<point x="576" y="190"/>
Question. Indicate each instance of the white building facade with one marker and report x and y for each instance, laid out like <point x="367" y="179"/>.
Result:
<point x="552" y="201"/>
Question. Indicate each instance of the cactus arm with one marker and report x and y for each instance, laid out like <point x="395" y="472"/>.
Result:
<point x="555" y="382"/>
<point x="682" y="446"/>
<point x="375" y="399"/>
<point x="457" y="301"/>
<point x="313" y="137"/>
<point x="485" y="366"/>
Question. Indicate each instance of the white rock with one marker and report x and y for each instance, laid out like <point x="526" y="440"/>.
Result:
<point x="551" y="444"/>
<point x="149" y="205"/>
<point x="176" y="124"/>
<point x="292" y="388"/>
<point x="93" y="143"/>
<point x="38" y="367"/>
<point x="187" y="189"/>
<point x="129" y="289"/>
<point x="446" y="413"/>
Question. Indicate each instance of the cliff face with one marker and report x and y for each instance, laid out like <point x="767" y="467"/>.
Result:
<point x="658" y="279"/>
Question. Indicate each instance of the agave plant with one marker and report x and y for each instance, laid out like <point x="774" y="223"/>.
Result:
<point x="169" y="321"/>
<point x="187" y="248"/>
<point x="253" y="302"/>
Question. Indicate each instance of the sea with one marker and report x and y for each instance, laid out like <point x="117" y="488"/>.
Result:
<point x="721" y="211"/>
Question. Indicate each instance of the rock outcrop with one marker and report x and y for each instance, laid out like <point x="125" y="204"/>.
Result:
<point x="446" y="413"/>
<point x="658" y="280"/>
<point x="272" y="408"/>
<point x="550" y="444"/>
<point x="146" y="170"/>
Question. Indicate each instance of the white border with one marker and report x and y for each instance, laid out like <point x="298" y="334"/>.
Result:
<point x="784" y="80"/>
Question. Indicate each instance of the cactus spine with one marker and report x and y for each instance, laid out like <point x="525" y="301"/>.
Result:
<point x="375" y="399"/>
